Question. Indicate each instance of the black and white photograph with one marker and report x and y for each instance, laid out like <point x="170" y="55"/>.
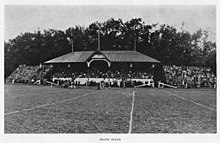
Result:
<point x="110" y="69"/>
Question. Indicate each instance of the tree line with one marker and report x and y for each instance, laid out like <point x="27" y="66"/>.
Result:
<point x="163" y="42"/>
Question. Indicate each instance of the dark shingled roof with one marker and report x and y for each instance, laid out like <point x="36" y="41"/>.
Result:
<point x="128" y="56"/>
<point x="112" y="56"/>
<point x="81" y="56"/>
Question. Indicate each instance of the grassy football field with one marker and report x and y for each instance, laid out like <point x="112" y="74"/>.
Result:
<point x="45" y="109"/>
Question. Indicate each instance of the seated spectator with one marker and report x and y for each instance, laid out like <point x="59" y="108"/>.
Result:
<point x="185" y="76"/>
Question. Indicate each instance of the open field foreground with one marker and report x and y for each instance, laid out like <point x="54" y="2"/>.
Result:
<point x="44" y="109"/>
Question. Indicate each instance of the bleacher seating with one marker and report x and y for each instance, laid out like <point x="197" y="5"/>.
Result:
<point x="28" y="74"/>
<point x="189" y="76"/>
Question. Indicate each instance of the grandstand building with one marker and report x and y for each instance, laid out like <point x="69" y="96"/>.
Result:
<point x="129" y="64"/>
<point x="104" y="59"/>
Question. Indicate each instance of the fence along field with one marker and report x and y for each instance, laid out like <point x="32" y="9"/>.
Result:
<point x="44" y="109"/>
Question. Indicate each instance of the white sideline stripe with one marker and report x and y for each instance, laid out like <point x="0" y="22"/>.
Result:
<point x="125" y="94"/>
<point x="130" y="94"/>
<point x="131" y="114"/>
<point x="21" y="95"/>
<point x="190" y="101"/>
<point x="48" y="104"/>
<point x="7" y="89"/>
<point x="29" y="94"/>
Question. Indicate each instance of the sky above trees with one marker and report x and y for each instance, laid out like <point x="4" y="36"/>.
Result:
<point x="30" y="18"/>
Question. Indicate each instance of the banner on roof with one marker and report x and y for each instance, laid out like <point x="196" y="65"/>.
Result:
<point x="98" y="56"/>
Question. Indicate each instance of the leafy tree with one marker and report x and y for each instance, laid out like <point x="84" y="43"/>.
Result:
<point x="211" y="61"/>
<point x="112" y="35"/>
<point x="77" y="36"/>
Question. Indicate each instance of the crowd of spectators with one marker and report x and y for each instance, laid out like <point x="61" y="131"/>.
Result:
<point x="28" y="74"/>
<point x="23" y="73"/>
<point x="189" y="77"/>
<point x="96" y="73"/>
<point x="180" y="76"/>
<point x="67" y="77"/>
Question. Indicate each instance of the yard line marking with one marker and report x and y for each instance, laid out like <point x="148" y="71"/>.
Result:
<point x="49" y="104"/>
<point x="190" y="100"/>
<point x="131" y="114"/>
